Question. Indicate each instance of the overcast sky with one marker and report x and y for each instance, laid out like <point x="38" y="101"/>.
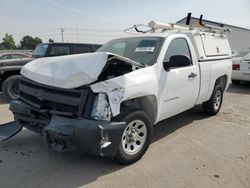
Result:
<point x="100" y="20"/>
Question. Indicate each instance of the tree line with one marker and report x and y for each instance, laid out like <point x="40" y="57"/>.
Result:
<point x="27" y="42"/>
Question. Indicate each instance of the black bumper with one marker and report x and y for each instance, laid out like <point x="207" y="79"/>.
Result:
<point x="62" y="133"/>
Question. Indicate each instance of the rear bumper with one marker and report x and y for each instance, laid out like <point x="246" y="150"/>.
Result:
<point x="63" y="133"/>
<point x="241" y="75"/>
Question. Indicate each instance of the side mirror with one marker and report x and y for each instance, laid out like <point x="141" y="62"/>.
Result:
<point x="177" y="61"/>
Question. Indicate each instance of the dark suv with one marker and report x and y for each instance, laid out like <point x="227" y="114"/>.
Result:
<point x="10" y="69"/>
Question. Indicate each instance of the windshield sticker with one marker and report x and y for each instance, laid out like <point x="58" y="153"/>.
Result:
<point x="45" y="46"/>
<point x="144" y="49"/>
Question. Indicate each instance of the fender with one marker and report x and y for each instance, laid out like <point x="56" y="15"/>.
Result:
<point x="139" y="83"/>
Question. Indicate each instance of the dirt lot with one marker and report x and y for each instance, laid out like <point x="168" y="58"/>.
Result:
<point x="189" y="150"/>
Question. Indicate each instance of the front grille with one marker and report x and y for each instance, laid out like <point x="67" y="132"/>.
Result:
<point x="75" y="102"/>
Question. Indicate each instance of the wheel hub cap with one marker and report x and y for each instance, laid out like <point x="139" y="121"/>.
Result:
<point x="217" y="100"/>
<point x="134" y="137"/>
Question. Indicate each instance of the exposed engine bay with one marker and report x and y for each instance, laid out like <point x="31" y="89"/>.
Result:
<point x="115" y="67"/>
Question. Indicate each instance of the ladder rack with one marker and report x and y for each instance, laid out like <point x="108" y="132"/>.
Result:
<point x="162" y="27"/>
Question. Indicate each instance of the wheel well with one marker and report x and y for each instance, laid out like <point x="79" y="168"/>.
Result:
<point x="7" y="75"/>
<point x="10" y="73"/>
<point x="222" y="81"/>
<point x="146" y="103"/>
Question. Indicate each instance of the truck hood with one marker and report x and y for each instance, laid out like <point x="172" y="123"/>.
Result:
<point x="71" y="71"/>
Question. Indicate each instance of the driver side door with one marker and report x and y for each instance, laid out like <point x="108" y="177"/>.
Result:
<point x="179" y="85"/>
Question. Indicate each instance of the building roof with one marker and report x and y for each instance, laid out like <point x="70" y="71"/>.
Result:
<point x="217" y="23"/>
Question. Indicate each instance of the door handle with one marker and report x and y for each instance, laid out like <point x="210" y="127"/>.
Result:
<point x="192" y="75"/>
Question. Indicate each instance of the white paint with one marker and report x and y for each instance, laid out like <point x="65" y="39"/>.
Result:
<point x="69" y="71"/>
<point x="244" y="73"/>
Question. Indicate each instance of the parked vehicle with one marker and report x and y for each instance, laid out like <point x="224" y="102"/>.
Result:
<point x="14" y="56"/>
<point x="107" y="102"/>
<point x="241" y="68"/>
<point x="10" y="69"/>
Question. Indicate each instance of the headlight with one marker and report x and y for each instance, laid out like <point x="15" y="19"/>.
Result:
<point x="101" y="108"/>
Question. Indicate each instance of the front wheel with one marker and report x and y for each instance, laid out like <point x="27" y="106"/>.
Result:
<point x="136" y="137"/>
<point x="10" y="87"/>
<point x="213" y="105"/>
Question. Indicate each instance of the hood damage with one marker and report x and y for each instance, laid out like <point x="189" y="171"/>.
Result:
<point x="73" y="71"/>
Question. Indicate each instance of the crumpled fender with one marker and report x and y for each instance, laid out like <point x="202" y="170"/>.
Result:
<point x="141" y="82"/>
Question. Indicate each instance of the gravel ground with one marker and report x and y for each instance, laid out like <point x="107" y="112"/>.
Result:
<point x="188" y="150"/>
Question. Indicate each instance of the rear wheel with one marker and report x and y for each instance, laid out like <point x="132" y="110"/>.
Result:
<point x="213" y="105"/>
<point x="136" y="137"/>
<point x="10" y="87"/>
<point x="236" y="82"/>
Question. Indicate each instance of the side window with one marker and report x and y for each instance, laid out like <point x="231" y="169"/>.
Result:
<point x="59" y="50"/>
<point x="95" y="47"/>
<point x="17" y="57"/>
<point x="9" y="57"/>
<point x="178" y="46"/>
<point x="4" y="57"/>
<point x="78" y="49"/>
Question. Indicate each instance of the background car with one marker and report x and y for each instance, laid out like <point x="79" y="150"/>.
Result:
<point x="10" y="68"/>
<point x="14" y="56"/>
<point x="241" y="68"/>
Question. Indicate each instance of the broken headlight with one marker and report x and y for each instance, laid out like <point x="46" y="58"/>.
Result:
<point x="101" y="108"/>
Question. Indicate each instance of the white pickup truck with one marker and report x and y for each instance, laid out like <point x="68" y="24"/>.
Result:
<point x="107" y="102"/>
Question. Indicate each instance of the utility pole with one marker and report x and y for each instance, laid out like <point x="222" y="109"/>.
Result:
<point x="62" y="31"/>
<point x="77" y="33"/>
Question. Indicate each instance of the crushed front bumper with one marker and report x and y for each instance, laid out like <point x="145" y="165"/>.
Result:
<point x="62" y="133"/>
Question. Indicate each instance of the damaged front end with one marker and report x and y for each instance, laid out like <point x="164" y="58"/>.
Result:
<point x="60" y="99"/>
<point x="66" y="118"/>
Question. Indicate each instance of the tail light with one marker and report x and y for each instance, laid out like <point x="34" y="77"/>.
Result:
<point x="236" y="67"/>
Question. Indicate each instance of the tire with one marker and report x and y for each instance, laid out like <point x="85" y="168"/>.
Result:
<point x="213" y="105"/>
<point x="10" y="87"/>
<point x="136" y="137"/>
<point x="236" y="82"/>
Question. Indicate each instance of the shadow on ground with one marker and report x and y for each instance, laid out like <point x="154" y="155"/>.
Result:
<point x="243" y="88"/>
<point x="71" y="169"/>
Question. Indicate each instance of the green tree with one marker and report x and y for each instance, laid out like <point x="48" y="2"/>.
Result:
<point x="51" y="40"/>
<point x="28" y="42"/>
<point x="8" y="42"/>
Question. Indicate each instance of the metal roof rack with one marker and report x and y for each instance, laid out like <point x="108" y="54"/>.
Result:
<point x="153" y="27"/>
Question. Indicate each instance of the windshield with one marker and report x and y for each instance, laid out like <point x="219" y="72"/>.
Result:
<point x="143" y="50"/>
<point x="40" y="50"/>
